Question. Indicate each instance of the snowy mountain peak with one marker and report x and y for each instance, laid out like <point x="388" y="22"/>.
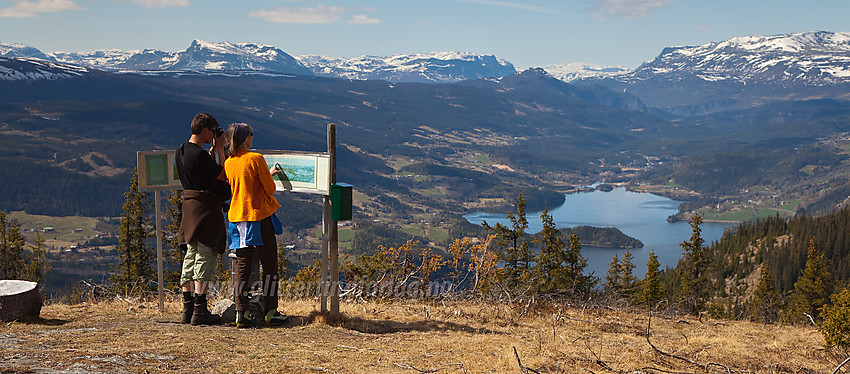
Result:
<point x="225" y="56"/>
<point x="20" y="50"/>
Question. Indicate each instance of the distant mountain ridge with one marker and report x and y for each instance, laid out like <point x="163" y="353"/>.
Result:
<point x="741" y="72"/>
<point x="686" y="80"/>
<point x="207" y="57"/>
<point x="434" y="67"/>
<point x="813" y="58"/>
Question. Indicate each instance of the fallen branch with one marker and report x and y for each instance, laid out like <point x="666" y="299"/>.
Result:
<point x="576" y="319"/>
<point x="692" y="362"/>
<point x="524" y="369"/>
<point x="441" y="367"/>
<point x="811" y="319"/>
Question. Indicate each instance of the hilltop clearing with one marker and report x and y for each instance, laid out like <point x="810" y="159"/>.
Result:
<point x="448" y="337"/>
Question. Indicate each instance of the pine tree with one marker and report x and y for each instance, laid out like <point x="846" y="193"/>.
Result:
<point x="764" y="307"/>
<point x="692" y="271"/>
<point x="136" y="257"/>
<point x="514" y="250"/>
<point x="650" y="292"/>
<point x="812" y="289"/>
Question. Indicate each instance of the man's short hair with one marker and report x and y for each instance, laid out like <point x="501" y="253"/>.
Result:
<point x="203" y="121"/>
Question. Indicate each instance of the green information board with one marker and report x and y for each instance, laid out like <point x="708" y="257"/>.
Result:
<point x="157" y="170"/>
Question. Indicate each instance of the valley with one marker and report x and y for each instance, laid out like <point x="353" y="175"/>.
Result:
<point x="422" y="155"/>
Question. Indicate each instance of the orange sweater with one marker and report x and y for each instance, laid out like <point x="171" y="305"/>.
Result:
<point x="252" y="187"/>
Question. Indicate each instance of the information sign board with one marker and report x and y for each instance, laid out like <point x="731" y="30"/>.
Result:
<point x="157" y="170"/>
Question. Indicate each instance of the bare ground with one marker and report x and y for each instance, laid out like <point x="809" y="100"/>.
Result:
<point x="449" y="337"/>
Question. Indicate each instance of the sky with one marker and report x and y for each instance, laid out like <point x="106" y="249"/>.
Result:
<point x="526" y="33"/>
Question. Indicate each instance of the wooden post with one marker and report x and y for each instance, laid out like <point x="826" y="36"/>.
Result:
<point x="323" y="276"/>
<point x="333" y="238"/>
<point x="158" y="218"/>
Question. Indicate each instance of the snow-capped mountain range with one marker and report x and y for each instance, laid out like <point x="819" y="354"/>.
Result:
<point x="206" y="57"/>
<point x="442" y="67"/>
<point x="812" y="58"/>
<point x="679" y="79"/>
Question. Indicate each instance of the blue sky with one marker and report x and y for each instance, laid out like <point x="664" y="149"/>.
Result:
<point x="526" y="33"/>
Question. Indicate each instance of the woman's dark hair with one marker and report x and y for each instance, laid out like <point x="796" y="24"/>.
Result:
<point x="236" y="135"/>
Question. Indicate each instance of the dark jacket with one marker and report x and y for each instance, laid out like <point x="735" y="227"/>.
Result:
<point x="202" y="220"/>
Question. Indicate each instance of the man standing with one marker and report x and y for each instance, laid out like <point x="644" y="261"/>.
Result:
<point x="202" y="229"/>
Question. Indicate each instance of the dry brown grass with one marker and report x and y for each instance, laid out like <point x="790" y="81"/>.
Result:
<point x="450" y="337"/>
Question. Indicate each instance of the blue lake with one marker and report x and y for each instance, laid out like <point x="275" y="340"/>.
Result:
<point x="639" y="215"/>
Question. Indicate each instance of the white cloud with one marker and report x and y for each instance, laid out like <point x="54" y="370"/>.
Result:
<point x="363" y="19"/>
<point x="30" y="9"/>
<point x="162" y="3"/>
<point x="319" y="14"/>
<point x="631" y="9"/>
<point x="507" y="4"/>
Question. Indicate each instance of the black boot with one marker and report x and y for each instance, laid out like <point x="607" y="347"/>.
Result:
<point x="188" y="307"/>
<point x="202" y="315"/>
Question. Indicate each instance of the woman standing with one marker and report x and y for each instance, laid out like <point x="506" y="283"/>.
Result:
<point x="251" y="229"/>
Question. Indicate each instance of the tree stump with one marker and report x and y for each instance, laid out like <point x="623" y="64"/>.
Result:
<point x="18" y="300"/>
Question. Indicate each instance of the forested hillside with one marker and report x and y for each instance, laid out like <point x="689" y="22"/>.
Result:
<point x="779" y="247"/>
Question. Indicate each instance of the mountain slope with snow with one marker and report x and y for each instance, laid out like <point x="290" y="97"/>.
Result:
<point x="434" y="67"/>
<point x="34" y="69"/>
<point x="813" y="58"/>
<point x="579" y="70"/>
<point x="742" y="72"/>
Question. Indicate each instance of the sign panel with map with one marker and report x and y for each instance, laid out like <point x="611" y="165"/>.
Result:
<point x="302" y="171"/>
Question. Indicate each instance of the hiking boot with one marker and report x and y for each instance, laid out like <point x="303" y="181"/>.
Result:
<point x="274" y="318"/>
<point x="188" y="311"/>
<point x="244" y="320"/>
<point x="202" y="315"/>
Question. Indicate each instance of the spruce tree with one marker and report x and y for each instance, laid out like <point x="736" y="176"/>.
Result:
<point x="764" y="307"/>
<point x="581" y="284"/>
<point x="650" y="292"/>
<point x="135" y="266"/>
<point x="620" y="280"/>
<point x="550" y="270"/>
<point x="513" y="249"/>
<point x="814" y="286"/>
<point x="12" y="246"/>
<point x="612" y="278"/>
<point x="174" y="254"/>
<point x="38" y="264"/>
<point x="692" y="271"/>
<point x="836" y="320"/>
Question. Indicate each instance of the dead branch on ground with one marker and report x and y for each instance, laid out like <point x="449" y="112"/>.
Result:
<point x="692" y="362"/>
<point x="524" y="369"/>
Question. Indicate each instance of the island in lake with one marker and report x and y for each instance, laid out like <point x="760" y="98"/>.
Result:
<point x="602" y="237"/>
